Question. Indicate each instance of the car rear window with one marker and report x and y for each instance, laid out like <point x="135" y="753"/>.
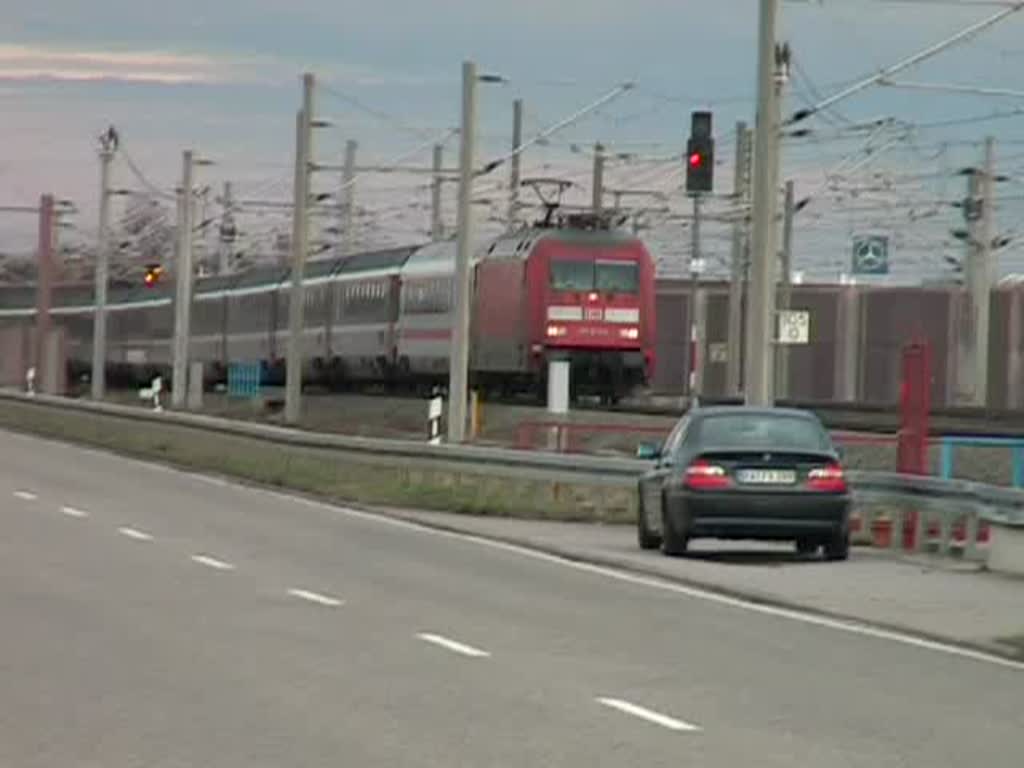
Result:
<point x="743" y="430"/>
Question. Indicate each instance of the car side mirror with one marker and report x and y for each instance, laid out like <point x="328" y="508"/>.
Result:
<point x="840" y="452"/>
<point x="648" y="451"/>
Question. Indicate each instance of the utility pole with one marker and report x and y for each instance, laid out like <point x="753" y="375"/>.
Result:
<point x="47" y="269"/>
<point x="978" y="210"/>
<point x="761" y="321"/>
<point x="300" y="239"/>
<point x="597" y="187"/>
<point x="741" y="199"/>
<point x="436" y="225"/>
<point x="514" y="164"/>
<point x="99" y="321"/>
<point x="348" y="198"/>
<point x="696" y="267"/>
<point x="459" y="370"/>
<point x="785" y="288"/>
<point x="183" y="278"/>
<point x="227" y="231"/>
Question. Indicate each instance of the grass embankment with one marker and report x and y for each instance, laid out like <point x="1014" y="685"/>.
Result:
<point x="334" y="475"/>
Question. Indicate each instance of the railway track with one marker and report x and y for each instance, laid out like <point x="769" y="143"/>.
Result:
<point x="869" y="417"/>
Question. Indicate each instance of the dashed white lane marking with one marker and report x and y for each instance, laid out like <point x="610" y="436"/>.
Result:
<point x="133" y="533"/>
<point x="315" y="597"/>
<point x="212" y="562"/>
<point x="453" y="645"/>
<point x="74" y="512"/>
<point x="649" y="715"/>
<point x="850" y="626"/>
<point x="25" y="495"/>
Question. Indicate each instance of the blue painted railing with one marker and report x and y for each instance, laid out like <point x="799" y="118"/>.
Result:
<point x="244" y="379"/>
<point x="948" y="446"/>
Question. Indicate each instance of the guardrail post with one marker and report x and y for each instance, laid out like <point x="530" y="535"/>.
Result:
<point x="945" y="532"/>
<point x="971" y="534"/>
<point x="946" y="459"/>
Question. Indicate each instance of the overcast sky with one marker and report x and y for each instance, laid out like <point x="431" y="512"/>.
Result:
<point x="223" y="77"/>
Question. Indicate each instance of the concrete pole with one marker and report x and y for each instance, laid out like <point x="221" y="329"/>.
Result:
<point x="967" y="347"/>
<point x="348" y="198"/>
<point x="300" y="248"/>
<point x="99" y="319"/>
<point x="597" y="187"/>
<point x="183" y="282"/>
<point x="458" y="381"/>
<point x="741" y="197"/>
<point x="515" y="165"/>
<point x="44" y="289"/>
<point x="982" y="288"/>
<point x="785" y="288"/>
<point x="761" y="316"/>
<point x="436" y="225"/>
<point x="692" y="354"/>
<point x="227" y="218"/>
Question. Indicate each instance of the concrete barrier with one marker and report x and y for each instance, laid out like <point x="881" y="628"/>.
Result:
<point x="1006" y="553"/>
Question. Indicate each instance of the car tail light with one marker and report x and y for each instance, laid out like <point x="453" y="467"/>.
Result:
<point x="829" y="479"/>
<point x="702" y="475"/>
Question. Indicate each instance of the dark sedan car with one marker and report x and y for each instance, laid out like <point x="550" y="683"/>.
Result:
<point x="746" y="473"/>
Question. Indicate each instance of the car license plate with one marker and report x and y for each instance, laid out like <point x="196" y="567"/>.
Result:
<point x="766" y="476"/>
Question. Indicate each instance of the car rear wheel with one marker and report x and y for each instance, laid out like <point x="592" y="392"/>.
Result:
<point x="673" y="543"/>
<point x="646" y="538"/>
<point x="838" y="547"/>
<point x="806" y="546"/>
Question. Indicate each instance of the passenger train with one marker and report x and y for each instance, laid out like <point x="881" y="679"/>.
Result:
<point x="585" y="295"/>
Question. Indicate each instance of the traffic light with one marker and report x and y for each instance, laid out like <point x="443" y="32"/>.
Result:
<point x="153" y="274"/>
<point x="700" y="155"/>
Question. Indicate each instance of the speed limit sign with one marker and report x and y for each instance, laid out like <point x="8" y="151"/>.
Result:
<point x="794" y="327"/>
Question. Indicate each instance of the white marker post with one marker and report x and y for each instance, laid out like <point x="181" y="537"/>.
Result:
<point x="434" y="413"/>
<point x="30" y="381"/>
<point x="558" y="387"/>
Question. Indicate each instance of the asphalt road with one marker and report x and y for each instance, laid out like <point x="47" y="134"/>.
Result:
<point x="154" y="618"/>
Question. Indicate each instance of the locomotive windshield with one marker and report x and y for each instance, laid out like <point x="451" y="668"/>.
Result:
<point x="617" y="277"/>
<point x="603" y="276"/>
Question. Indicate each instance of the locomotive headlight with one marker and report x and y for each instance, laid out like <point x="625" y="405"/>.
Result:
<point x="630" y="333"/>
<point x="555" y="331"/>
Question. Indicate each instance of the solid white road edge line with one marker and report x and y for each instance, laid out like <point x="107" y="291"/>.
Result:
<point x="212" y="562"/>
<point x="453" y="645"/>
<point x="74" y="512"/>
<point x="132" y="533"/>
<point x="649" y="715"/>
<point x="843" y="625"/>
<point x="25" y="495"/>
<point x="315" y="597"/>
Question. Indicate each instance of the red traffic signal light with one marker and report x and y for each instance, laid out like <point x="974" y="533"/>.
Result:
<point x="696" y="159"/>
<point x="153" y="274"/>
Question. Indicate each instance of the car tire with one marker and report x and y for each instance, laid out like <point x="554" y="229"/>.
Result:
<point x="646" y="538"/>
<point x="673" y="543"/>
<point x="806" y="547"/>
<point x="838" y="546"/>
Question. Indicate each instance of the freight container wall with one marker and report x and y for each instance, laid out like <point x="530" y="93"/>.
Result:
<point x="1010" y="355"/>
<point x="890" y="319"/>
<point x="672" y="341"/>
<point x="999" y="338"/>
<point x="716" y="344"/>
<point x="812" y="366"/>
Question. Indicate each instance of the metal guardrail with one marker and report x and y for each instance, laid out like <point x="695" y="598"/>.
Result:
<point x="594" y="470"/>
<point x="948" y="500"/>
